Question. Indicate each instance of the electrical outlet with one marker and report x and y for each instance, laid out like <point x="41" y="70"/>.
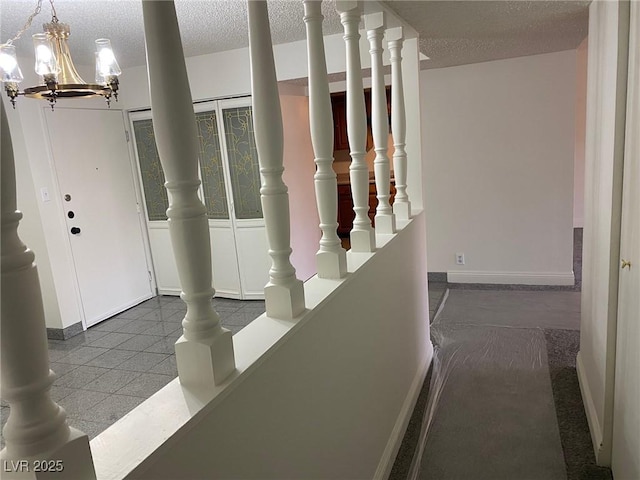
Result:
<point x="459" y="258"/>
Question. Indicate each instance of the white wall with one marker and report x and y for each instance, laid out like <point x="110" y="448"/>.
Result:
<point x="31" y="229"/>
<point x="581" y="127"/>
<point x="329" y="399"/>
<point x="606" y="96"/>
<point x="499" y="140"/>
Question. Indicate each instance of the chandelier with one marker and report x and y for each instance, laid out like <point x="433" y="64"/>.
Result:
<point x="58" y="75"/>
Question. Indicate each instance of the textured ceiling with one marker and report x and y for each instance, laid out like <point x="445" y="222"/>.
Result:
<point x="206" y="26"/>
<point x="452" y="32"/>
<point x="462" y="32"/>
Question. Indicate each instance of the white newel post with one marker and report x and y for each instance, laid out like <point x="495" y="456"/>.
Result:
<point x="284" y="294"/>
<point x="204" y="353"/>
<point x="331" y="259"/>
<point x="385" y="218"/>
<point x="401" y="203"/>
<point x="362" y="235"/>
<point x="37" y="428"/>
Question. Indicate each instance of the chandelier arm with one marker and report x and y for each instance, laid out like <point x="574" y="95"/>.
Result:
<point x="27" y="24"/>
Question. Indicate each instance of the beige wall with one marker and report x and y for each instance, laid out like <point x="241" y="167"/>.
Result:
<point x="499" y="141"/>
<point x="298" y="175"/>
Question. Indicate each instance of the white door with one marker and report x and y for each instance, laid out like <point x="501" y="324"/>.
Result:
<point x="231" y="193"/>
<point x="243" y="180"/>
<point x="102" y="215"/>
<point x="625" y="454"/>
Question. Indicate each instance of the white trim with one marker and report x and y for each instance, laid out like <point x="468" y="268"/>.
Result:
<point x="251" y="295"/>
<point x="136" y="176"/>
<point x="513" y="278"/>
<point x="595" y="430"/>
<point x="170" y="291"/>
<point x="219" y="293"/>
<point x="400" y="428"/>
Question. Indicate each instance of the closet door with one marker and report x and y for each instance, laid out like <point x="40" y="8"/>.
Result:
<point x="243" y="176"/>
<point x="213" y="192"/>
<point x="230" y="190"/>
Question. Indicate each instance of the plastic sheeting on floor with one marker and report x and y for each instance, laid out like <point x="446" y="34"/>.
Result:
<point x="490" y="413"/>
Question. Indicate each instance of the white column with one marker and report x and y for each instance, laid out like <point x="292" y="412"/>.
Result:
<point x="401" y="204"/>
<point x="362" y="235"/>
<point x="331" y="259"/>
<point x="284" y="294"/>
<point x="37" y="427"/>
<point x="204" y="353"/>
<point x="385" y="219"/>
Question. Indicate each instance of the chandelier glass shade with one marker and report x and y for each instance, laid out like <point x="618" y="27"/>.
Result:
<point x="58" y="75"/>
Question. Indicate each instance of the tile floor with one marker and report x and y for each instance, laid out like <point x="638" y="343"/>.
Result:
<point x="105" y="372"/>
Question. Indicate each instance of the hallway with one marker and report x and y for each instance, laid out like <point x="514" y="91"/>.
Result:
<point x="502" y="400"/>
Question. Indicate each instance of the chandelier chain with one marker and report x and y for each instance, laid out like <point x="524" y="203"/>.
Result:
<point x="27" y="24"/>
<point x="54" y="15"/>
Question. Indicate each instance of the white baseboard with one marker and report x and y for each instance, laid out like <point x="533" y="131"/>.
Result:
<point x="169" y="291"/>
<point x="512" y="278"/>
<point x="219" y="294"/>
<point x="590" y="408"/>
<point x="399" y="429"/>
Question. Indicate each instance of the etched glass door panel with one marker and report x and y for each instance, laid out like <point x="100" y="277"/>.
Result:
<point x="155" y="194"/>
<point x="243" y="162"/>
<point x="211" y="166"/>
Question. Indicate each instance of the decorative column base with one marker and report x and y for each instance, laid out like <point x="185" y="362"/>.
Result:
<point x="363" y="240"/>
<point x="205" y="362"/>
<point x="70" y="461"/>
<point x="385" y="224"/>
<point x="402" y="210"/>
<point x="284" y="301"/>
<point x="332" y="265"/>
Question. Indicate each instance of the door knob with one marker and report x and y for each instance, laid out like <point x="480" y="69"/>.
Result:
<point x="625" y="264"/>
<point x="75" y="230"/>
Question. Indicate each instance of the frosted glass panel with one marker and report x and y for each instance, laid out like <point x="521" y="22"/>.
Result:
<point x="243" y="162"/>
<point x="211" y="169"/>
<point x="155" y="194"/>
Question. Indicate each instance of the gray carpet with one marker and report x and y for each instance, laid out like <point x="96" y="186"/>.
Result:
<point x="513" y="308"/>
<point x="562" y="348"/>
